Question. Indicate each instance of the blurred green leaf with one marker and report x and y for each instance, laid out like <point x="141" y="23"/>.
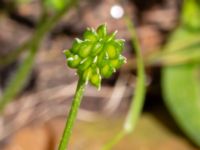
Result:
<point x="32" y="45"/>
<point x="56" y="5"/>
<point x="181" y="90"/>
<point x="191" y="14"/>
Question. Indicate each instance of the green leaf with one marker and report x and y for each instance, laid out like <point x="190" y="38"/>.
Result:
<point x="181" y="90"/>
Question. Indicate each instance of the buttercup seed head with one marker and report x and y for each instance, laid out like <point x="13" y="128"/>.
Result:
<point x="102" y="31"/>
<point x="90" y="34"/>
<point x="97" y="55"/>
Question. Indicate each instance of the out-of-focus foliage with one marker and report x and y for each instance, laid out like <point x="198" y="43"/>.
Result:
<point x="17" y="83"/>
<point x="191" y="14"/>
<point x="55" y="5"/>
<point x="181" y="89"/>
<point x="181" y="84"/>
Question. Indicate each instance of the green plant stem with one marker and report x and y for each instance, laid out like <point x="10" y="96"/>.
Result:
<point x="19" y="80"/>
<point x="72" y="115"/>
<point x="118" y="137"/>
<point x="139" y="93"/>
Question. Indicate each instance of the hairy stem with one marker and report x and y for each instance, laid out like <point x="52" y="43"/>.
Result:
<point x="72" y="115"/>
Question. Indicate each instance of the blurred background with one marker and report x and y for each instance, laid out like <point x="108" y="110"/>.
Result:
<point x="37" y="87"/>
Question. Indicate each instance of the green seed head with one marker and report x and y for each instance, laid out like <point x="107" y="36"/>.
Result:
<point x="97" y="55"/>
